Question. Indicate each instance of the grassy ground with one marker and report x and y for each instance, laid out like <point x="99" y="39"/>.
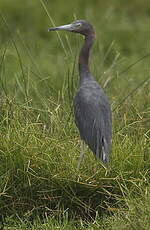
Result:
<point x="40" y="187"/>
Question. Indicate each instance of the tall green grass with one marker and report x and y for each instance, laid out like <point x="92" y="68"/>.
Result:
<point x="40" y="186"/>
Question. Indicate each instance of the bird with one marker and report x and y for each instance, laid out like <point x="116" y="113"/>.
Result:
<point x="92" y="110"/>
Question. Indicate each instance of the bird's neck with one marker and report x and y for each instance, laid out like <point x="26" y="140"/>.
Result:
<point x="84" y="57"/>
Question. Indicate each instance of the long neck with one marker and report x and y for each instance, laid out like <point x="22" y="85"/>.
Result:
<point x="84" y="57"/>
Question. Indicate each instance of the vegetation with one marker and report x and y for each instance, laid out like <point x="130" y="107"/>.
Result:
<point x="40" y="187"/>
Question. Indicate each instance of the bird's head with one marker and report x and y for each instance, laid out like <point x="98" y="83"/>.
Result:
<point x="78" y="26"/>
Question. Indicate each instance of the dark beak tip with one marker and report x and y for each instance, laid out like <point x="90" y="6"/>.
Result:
<point x="51" y="29"/>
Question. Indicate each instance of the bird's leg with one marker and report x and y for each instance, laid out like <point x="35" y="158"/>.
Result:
<point x="81" y="154"/>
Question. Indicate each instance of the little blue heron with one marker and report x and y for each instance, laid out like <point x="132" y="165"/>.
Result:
<point x="91" y="106"/>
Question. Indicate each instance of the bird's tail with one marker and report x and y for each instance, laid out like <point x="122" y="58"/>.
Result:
<point x="105" y="152"/>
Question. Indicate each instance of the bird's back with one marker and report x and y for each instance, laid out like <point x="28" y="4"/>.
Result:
<point x="93" y="118"/>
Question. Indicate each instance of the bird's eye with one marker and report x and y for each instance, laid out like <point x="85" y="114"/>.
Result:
<point x="78" y="25"/>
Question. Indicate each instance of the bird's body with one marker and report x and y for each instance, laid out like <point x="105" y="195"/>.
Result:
<point x="93" y="118"/>
<point x="91" y="106"/>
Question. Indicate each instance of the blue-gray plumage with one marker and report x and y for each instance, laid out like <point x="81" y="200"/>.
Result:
<point x="91" y="106"/>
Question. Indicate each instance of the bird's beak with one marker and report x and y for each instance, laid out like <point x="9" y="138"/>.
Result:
<point x="68" y="27"/>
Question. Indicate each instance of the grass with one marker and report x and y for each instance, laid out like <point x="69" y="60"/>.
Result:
<point x="40" y="187"/>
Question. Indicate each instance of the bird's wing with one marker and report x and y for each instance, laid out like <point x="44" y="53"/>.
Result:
<point x="93" y="119"/>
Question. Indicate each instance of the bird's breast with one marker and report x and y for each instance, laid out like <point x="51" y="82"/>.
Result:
<point x="89" y="92"/>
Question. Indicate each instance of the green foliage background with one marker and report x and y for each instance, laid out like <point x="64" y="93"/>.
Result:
<point x="40" y="187"/>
